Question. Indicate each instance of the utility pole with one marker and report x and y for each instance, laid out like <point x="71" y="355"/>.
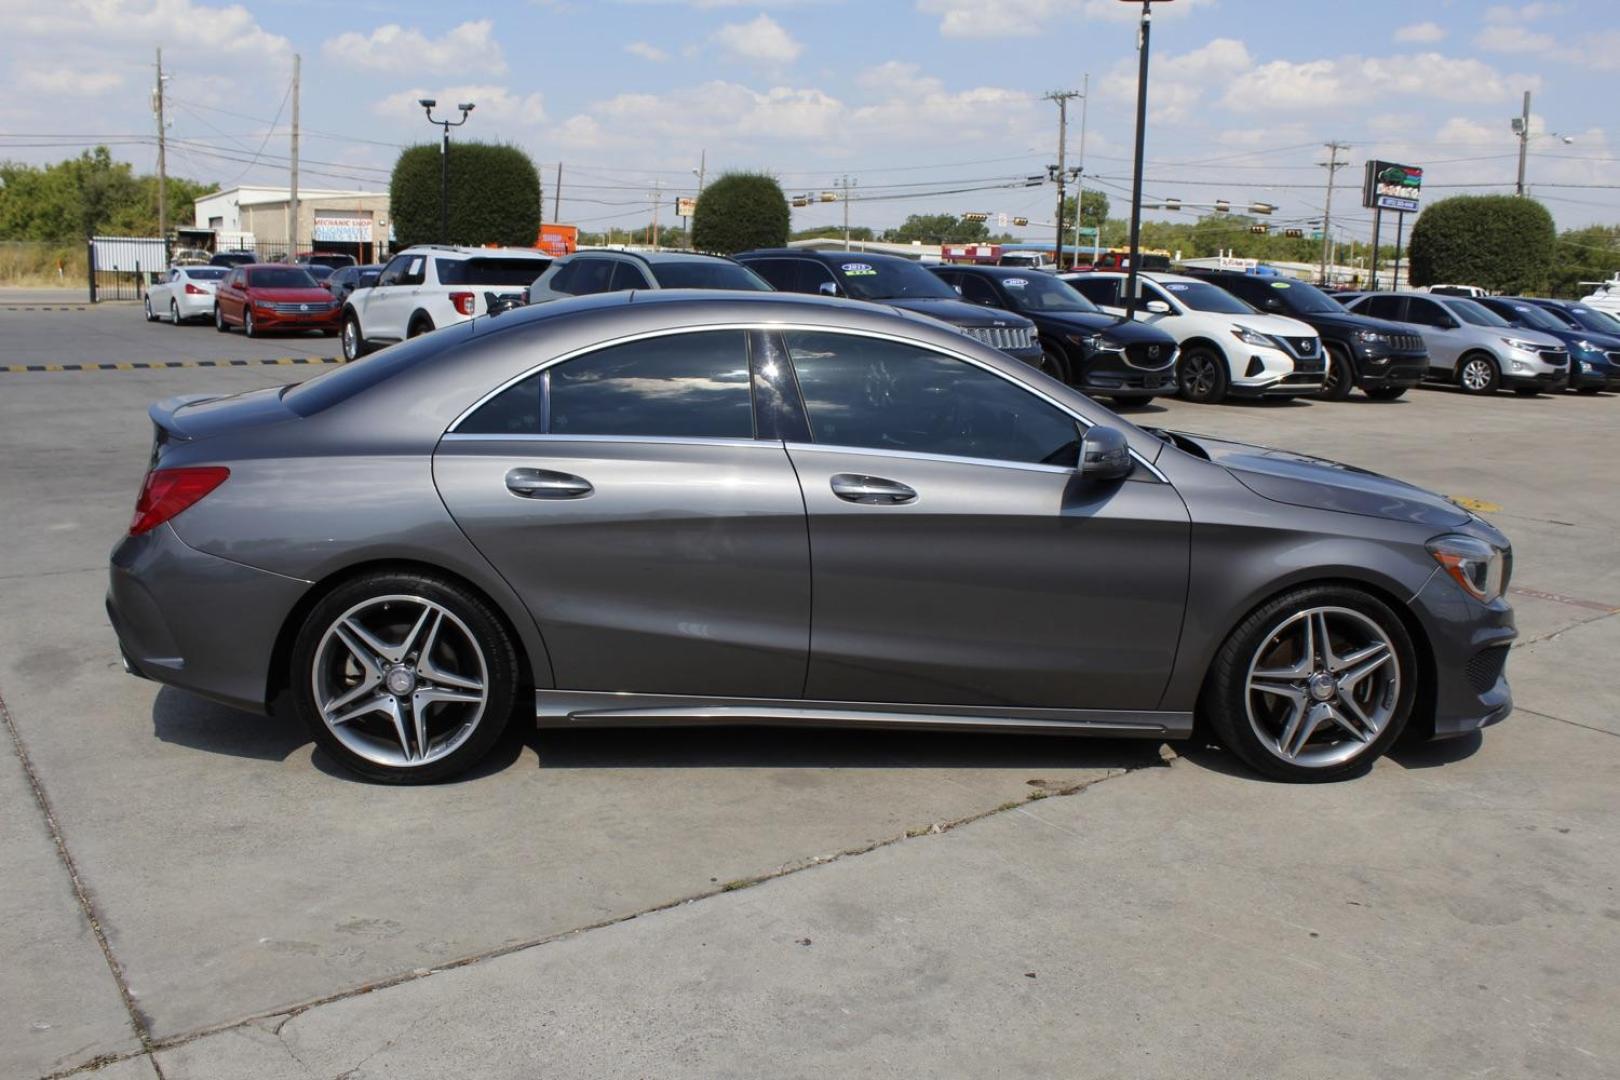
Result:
<point x="1080" y="173"/>
<point x="292" y="192"/>
<point x="1332" y="165"/>
<point x="845" y="183"/>
<point x="162" y="161"/>
<point x="1062" y="97"/>
<point x="556" y="196"/>
<point x="703" y="169"/>
<point x="1524" y="139"/>
<point x="658" y="197"/>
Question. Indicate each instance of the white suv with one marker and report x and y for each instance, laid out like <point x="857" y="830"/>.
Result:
<point x="1227" y="347"/>
<point x="429" y="286"/>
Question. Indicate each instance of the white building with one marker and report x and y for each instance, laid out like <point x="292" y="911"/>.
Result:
<point x="355" y="222"/>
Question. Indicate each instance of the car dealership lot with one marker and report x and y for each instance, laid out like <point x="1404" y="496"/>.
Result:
<point x="1454" y="911"/>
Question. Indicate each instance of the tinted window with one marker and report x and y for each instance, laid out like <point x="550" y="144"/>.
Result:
<point x="1592" y="319"/>
<point x="395" y="267"/>
<point x="560" y="277"/>
<point x="1473" y="312"/>
<point x="1037" y="292"/>
<point x="1528" y="314"/>
<point x="1426" y="313"/>
<point x="874" y="277"/>
<point x="977" y="290"/>
<point x="318" y="271"/>
<point x="488" y="271"/>
<point x="1099" y="290"/>
<point x="1563" y="318"/>
<point x="1301" y="297"/>
<point x="708" y="274"/>
<point x="811" y="276"/>
<point x="281" y="277"/>
<point x="590" y="276"/>
<point x="514" y="411"/>
<point x="1381" y="307"/>
<point x="884" y="395"/>
<point x="627" y="275"/>
<point x="684" y="384"/>
<point x="1202" y="296"/>
<point x="779" y="272"/>
<point x="205" y="273"/>
<point x="415" y="271"/>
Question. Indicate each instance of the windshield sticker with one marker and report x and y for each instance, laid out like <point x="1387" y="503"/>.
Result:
<point x="1282" y="285"/>
<point x="1015" y="282"/>
<point x="1175" y="286"/>
<point x="857" y="269"/>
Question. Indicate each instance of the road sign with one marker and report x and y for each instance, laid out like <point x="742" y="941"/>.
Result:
<point x="1001" y="221"/>
<point x="1388" y="186"/>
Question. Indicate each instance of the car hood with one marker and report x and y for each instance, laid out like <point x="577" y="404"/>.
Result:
<point x="1278" y="325"/>
<point x="1301" y="480"/>
<point x="958" y="312"/>
<point x="1114" y="326"/>
<point x="1344" y="320"/>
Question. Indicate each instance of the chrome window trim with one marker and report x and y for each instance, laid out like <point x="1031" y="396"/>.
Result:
<point x="661" y="440"/>
<point x="918" y="455"/>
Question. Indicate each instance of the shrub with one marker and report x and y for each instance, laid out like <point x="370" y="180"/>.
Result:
<point x="494" y="196"/>
<point x="1502" y="242"/>
<point x="739" y="212"/>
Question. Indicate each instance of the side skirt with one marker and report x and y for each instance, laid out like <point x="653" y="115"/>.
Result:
<point x="592" y="708"/>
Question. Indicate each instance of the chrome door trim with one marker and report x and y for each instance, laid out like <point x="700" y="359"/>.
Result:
<point x="663" y="440"/>
<point x="594" y="708"/>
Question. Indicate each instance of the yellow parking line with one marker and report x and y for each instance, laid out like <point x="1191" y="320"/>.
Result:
<point x="124" y="366"/>
<point x="1478" y="506"/>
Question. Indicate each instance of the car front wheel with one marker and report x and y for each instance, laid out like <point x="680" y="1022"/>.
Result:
<point x="1477" y="374"/>
<point x="407" y="678"/>
<point x="1202" y="375"/>
<point x="1341" y="376"/>
<point x="219" y="320"/>
<point x="1314" y="685"/>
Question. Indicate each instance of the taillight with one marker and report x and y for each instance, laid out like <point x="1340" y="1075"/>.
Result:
<point x="167" y="492"/>
<point x="192" y="290"/>
<point x="465" y="302"/>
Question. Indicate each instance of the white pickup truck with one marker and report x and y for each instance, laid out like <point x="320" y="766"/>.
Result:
<point x="428" y="286"/>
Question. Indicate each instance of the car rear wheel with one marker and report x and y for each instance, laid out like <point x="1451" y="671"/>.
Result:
<point x="1202" y="375"/>
<point x="1477" y="374"/>
<point x="1341" y="376"/>
<point x="403" y="677"/>
<point x="219" y="320"/>
<point x="1314" y="685"/>
<point x="174" y="313"/>
<point x="419" y="326"/>
<point x="1385" y="393"/>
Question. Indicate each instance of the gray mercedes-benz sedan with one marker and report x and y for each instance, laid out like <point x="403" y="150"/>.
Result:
<point x="734" y="508"/>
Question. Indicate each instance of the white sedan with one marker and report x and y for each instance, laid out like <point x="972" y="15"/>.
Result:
<point x="186" y="293"/>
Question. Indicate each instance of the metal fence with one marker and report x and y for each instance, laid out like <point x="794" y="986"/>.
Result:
<point x="123" y="267"/>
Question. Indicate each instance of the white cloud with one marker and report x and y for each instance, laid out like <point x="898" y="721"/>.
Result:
<point x="1508" y="13"/>
<point x="1599" y="51"/>
<point x="68" y="82"/>
<point x="495" y="104"/>
<point x="1179" y="82"/>
<point x="1316" y="84"/>
<point x="177" y="24"/>
<point x="1423" y="33"/>
<point x="1026" y="18"/>
<point x="470" y="46"/>
<point x="647" y="51"/>
<point x="761" y="41"/>
<point x="1512" y="39"/>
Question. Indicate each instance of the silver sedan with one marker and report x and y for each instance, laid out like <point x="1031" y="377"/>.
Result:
<point x="734" y="508"/>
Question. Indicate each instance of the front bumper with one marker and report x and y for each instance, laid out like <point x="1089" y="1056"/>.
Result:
<point x="1549" y="381"/>
<point x="1110" y="373"/>
<point x="1603" y="375"/>
<point x="1469" y="642"/>
<point x="196" y="621"/>
<point x="1274" y="373"/>
<point x="266" y="319"/>
<point x="1387" y="369"/>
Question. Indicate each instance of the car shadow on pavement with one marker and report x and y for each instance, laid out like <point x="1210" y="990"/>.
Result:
<point x="721" y="747"/>
<point x="184" y="719"/>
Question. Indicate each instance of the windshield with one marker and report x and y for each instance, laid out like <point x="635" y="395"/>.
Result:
<point x="1599" y="321"/>
<point x="1042" y="292"/>
<point x="890" y="279"/>
<point x="1470" y="312"/>
<point x="707" y="274"/>
<point x="1306" y="299"/>
<point x="206" y="273"/>
<point x="281" y="277"/>
<point x="1536" y="318"/>
<point x="490" y="271"/>
<point x="319" y="271"/>
<point x="1202" y="296"/>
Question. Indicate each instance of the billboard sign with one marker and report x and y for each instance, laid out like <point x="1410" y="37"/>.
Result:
<point x="1388" y="186"/>
<point x="343" y="228"/>
<point x="685" y="207"/>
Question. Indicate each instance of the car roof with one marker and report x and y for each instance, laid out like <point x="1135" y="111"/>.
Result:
<point x="984" y="269"/>
<point x="653" y="257"/>
<point x="474" y="252"/>
<point x="825" y="256"/>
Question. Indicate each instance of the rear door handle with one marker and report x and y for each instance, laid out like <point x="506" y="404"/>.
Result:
<point x="872" y="490"/>
<point x="545" y="484"/>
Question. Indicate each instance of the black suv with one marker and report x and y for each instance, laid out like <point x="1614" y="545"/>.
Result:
<point x="1101" y="354"/>
<point x="899" y="283"/>
<point x="1383" y="359"/>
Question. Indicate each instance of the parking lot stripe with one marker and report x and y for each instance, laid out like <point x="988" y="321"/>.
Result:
<point x="150" y="365"/>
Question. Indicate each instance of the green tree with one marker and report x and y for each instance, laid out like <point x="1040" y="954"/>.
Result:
<point x="938" y="229"/>
<point x="1094" y="206"/>
<point x="835" y="232"/>
<point x="1589" y="254"/>
<point x="1503" y="242"/>
<point x="741" y="211"/>
<point x="494" y="195"/>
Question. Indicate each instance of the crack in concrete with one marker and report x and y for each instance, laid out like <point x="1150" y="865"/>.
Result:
<point x="1571" y="723"/>
<point x="287" y="1014"/>
<point x="1553" y="635"/>
<point x="137" y="1020"/>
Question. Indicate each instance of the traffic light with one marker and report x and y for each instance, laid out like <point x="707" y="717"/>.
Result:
<point x="1222" y="206"/>
<point x="829" y="196"/>
<point x="1020" y="221"/>
<point x="801" y="200"/>
<point x="975" y="216"/>
<point x="1294" y="234"/>
<point x="1260" y="230"/>
<point x="1262" y="208"/>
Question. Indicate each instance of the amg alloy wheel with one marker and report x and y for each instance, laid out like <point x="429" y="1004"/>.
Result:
<point x="1313" y="685"/>
<point x="404" y="677"/>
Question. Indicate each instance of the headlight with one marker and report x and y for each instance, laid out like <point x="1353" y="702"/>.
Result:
<point x="1585" y="346"/>
<point x="1473" y="564"/>
<point x="1519" y="343"/>
<point x="1371" y="337"/>
<point x="1252" y="337"/>
<point x="1088" y="342"/>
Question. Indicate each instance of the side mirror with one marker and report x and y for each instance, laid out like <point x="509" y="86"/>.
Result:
<point x="1156" y="307"/>
<point x="1272" y="304"/>
<point x="828" y="288"/>
<point x="1104" y="454"/>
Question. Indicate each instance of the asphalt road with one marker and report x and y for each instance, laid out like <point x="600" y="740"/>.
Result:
<point x="193" y="889"/>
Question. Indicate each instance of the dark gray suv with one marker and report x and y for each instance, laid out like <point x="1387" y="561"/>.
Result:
<point x="676" y="507"/>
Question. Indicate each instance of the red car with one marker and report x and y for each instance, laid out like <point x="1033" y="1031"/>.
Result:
<point x="271" y="296"/>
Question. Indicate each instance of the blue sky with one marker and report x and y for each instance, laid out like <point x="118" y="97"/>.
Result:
<point x="902" y="95"/>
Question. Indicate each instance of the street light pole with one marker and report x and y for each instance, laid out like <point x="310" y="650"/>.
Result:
<point x="1141" y="140"/>
<point x="428" y="105"/>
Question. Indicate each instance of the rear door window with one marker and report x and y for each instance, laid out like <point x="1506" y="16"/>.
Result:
<point x="778" y="272"/>
<point x="977" y="290"/>
<point x="1426" y="313"/>
<point x="627" y="275"/>
<point x="1104" y="292"/>
<point x="1383" y="307"/>
<point x="591" y="276"/>
<point x="495" y="272"/>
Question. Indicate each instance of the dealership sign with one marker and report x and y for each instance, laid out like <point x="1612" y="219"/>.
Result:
<point x="1388" y="186"/>
<point x="343" y="228"/>
<point x="685" y="207"/>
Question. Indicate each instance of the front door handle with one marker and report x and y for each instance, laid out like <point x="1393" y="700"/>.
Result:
<point x="545" y="484"/>
<point x="872" y="490"/>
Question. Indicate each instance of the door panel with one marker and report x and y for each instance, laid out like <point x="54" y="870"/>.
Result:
<point x="997" y="584"/>
<point x="685" y="569"/>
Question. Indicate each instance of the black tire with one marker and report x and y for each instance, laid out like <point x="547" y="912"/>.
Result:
<point x="1225" y="700"/>
<point x="1053" y="364"/>
<point x="219" y="320"/>
<point x="354" y="344"/>
<point x="247" y="322"/>
<point x="419" y="326"/>
<point x="1201" y="376"/>
<point x="174" y="313"/>
<point x="1527" y="391"/>
<point x="485" y="628"/>
<point x="147" y="304"/>
<point x="1384" y="393"/>
<point x="1487" y="379"/>
<point x="1589" y="390"/>
<point x="1341" y="375"/>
